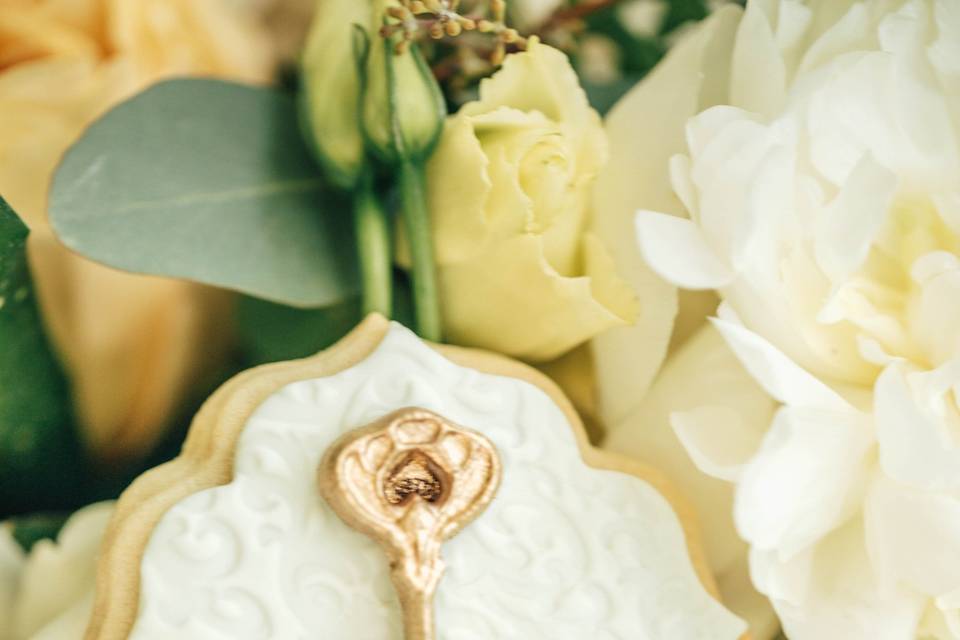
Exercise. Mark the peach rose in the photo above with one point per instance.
(131, 344)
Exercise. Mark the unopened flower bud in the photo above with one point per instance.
(331, 88)
(403, 110)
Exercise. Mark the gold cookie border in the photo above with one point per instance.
(206, 461)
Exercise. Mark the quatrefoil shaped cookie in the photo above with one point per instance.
(390, 489)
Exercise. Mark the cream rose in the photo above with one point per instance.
(47, 594)
(814, 184)
(508, 192)
(132, 344)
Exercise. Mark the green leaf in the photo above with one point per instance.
(40, 455)
(208, 181)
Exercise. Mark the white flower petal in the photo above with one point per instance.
(718, 438)
(779, 375)
(915, 448)
(57, 575)
(949, 607)
(759, 74)
(934, 315)
(850, 33)
(843, 601)
(703, 129)
(872, 351)
(727, 313)
(703, 372)
(848, 225)
(11, 566)
(645, 129)
(740, 596)
(682, 182)
(806, 480)
(792, 23)
(679, 252)
(784, 581)
(914, 537)
(948, 206)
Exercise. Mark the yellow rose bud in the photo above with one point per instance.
(508, 192)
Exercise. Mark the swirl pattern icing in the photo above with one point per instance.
(564, 551)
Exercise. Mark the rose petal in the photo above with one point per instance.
(539, 314)
(457, 194)
(543, 80)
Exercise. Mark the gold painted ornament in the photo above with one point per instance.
(411, 481)
(327, 497)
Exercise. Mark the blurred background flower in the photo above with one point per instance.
(46, 593)
(132, 345)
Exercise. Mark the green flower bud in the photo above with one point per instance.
(330, 98)
(363, 87)
(403, 109)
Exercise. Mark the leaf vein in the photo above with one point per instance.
(218, 197)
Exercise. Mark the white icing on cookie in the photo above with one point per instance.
(564, 551)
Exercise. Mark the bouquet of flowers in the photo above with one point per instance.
(730, 232)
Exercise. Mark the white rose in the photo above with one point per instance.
(48, 593)
(816, 189)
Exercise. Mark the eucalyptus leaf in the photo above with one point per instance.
(208, 181)
(40, 455)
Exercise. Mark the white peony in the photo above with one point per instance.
(815, 186)
(48, 593)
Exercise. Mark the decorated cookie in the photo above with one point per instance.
(388, 489)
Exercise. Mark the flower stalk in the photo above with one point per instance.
(416, 220)
(372, 232)
(403, 118)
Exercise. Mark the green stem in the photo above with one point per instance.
(373, 246)
(416, 220)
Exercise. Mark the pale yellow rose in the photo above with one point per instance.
(132, 344)
(508, 192)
